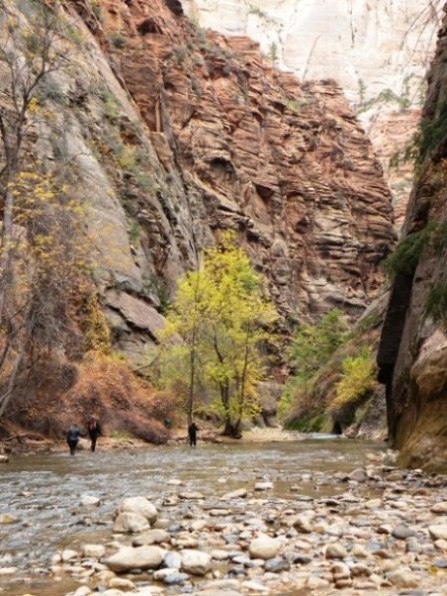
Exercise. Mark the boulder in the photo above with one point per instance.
(130, 522)
(264, 547)
(139, 505)
(195, 562)
(141, 557)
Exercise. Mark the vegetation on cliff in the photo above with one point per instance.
(333, 382)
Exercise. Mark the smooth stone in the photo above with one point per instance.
(240, 493)
(153, 536)
(264, 547)
(140, 506)
(220, 555)
(335, 551)
(176, 578)
(254, 586)
(358, 475)
(403, 578)
(175, 482)
(340, 571)
(439, 507)
(89, 501)
(4, 459)
(69, 555)
(93, 551)
(438, 532)
(195, 562)
(130, 522)
(141, 557)
(403, 532)
(121, 584)
(8, 570)
(172, 559)
(190, 496)
(7, 518)
(260, 486)
(277, 564)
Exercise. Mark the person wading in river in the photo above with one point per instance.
(73, 435)
(94, 430)
(192, 434)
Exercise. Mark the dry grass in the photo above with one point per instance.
(104, 387)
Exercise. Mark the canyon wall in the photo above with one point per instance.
(172, 134)
(378, 51)
(413, 350)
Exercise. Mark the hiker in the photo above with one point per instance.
(94, 430)
(73, 435)
(192, 434)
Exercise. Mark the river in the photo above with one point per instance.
(44, 491)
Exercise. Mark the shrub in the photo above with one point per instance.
(358, 379)
(405, 257)
(436, 305)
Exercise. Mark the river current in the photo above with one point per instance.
(44, 492)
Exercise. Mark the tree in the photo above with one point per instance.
(40, 216)
(311, 348)
(223, 316)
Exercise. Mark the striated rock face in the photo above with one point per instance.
(413, 350)
(283, 164)
(173, 134)
(378, 52)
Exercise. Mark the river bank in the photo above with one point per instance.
(289, 518)
(23, 443)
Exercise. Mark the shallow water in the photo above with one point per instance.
(44, 491)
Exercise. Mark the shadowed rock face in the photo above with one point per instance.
(413, 350)
(285, 165)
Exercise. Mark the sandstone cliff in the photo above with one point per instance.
(413, 350)
(378, 51)
(173, 133)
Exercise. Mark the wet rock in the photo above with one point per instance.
(69, 555)
(438, 532)
(220, 555)
(8, 570)
(240, 493)
(120, 583)
(264, 547)
(402, 532)
(277, 564)
(358, 475)
(172, 559)
(130, 522)
(153, 536)
(140, 506)
(261, 486)
(195, 562)
(93, 551)
(7, 518)
(335, 551)
(141, 557)
(90, 501)
(403, 578)
(254, 586)
(190, 496)
(439, 508)
(4, 459)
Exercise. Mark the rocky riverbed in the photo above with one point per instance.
(375, 528)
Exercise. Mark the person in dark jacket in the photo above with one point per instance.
(94, 430)
(192, 434)
(73, 435)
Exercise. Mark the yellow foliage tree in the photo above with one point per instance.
(223, 316)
